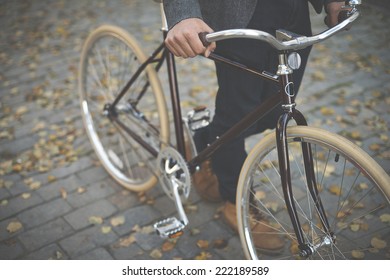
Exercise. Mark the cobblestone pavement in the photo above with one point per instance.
(57, 202)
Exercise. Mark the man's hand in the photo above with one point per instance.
(183, 39)
(333, 9)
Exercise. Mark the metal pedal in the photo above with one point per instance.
(169, 228)
(198, 118)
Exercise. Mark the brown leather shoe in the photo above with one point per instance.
(204, 180)
(263, 234)
(206, 183)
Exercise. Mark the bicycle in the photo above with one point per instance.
(326, 197)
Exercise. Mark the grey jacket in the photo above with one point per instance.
(236, 13)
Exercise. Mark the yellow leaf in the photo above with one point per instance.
(126, 242)
(95, 220)
(375, 147)
(378, 243)
(327, 111)
(336, 190)
(156, 254)
(26, 195)
(21, 110)
(203, 256)
(202, 244)
(354, 227)
(35, 185)
(220, 243)
(318, 76)
(168, 246)
(259, 195)
(106, 229)
(64, 194)
(118, 221)
(14, 227)
(356, 254)
(385, 218)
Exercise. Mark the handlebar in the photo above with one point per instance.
(287, 40)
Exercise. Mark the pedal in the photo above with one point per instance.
(169, 228)
(198, 118)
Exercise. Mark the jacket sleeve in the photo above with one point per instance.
(178, 10)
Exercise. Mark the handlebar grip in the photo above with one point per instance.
(202, 37)
(343, 15)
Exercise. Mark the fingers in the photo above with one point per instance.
(183, 39)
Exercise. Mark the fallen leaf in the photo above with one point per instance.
(126, 242)
(357, 254)
(26, 195)
(14, 227)
(220, 243)
(168, 246)
(203, 256)
(95, 220)
(378, 243)
(336, 190)
(64, 194)
(326, 111)
(202, 244)
(354, 227)
(106, 229)
(385, 218)
(118, 221)
(156, 254)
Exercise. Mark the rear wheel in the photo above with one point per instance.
(353, 188)
(110, 57)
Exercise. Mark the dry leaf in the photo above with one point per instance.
(64, 194)
(202, 244)
(327, 111)
(106, 229)
(81, 190)
(356, 254)
(220, 243)
(26, 195)
(14, 227)
(51, 178)
(95, 220)
(354, 227)
(203, 256)
(336, 190)
(126, 242)
(168, 246)
(35, 185)
(156, 254)
(378, 243)
(385, 218)
(118, 221)
(259, 195)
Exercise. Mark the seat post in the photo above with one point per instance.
(164, 23)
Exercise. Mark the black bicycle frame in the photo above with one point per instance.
(285, 98)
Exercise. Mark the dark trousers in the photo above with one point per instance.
(241, 92)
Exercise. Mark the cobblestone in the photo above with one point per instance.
(40, 47)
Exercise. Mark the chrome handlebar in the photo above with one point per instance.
(298, 41)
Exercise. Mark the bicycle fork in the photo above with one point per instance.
(288, 105)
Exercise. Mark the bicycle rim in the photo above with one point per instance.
(109, 58)
(353, 188)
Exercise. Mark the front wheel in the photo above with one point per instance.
(353, 188)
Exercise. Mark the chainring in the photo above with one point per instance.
(173, 168)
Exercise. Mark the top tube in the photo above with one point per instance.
(298, 41)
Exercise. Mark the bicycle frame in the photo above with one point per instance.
(285, 98)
